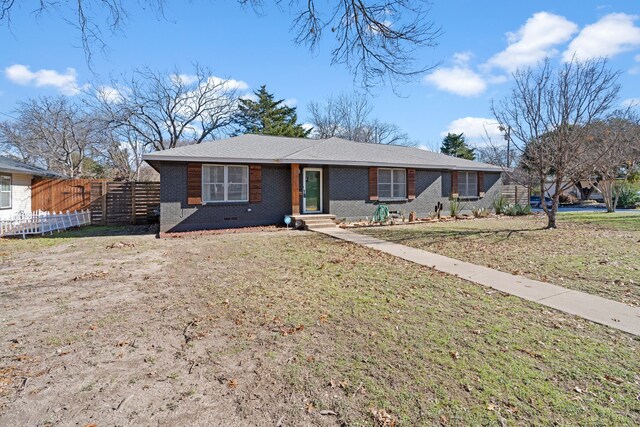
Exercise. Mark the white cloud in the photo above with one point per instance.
(110, 94)
(66, 82)
(612, 34)
(229, 84)
(459, 79)
(291, 102)
(250, 96)
(534, 41)
(475, 129)
(462, 58)
(631, 102)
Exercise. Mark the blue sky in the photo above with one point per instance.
(481, 44)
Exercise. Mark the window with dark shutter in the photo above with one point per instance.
(194, 183)
(373, 183)
(255, 184)
(411, 184)
(454, 184)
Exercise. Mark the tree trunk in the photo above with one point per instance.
(552, 213)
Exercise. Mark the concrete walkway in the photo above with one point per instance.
(597, 309)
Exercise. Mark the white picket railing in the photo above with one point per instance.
(24, 224)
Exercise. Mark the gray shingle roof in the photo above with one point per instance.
(8, 164)
(332, 151)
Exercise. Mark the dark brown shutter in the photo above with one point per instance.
(454, 184)
(255, 184)
(373, 183)
(411, 184)
(194, 183)
(480, 184)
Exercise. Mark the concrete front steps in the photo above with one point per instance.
(314, 221)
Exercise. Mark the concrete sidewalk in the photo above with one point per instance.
(597, 309)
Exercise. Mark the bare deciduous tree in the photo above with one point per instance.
(376, 39)
(621, 134)
(548, 111)
(51, 132)
(162, 110)
(349, 117)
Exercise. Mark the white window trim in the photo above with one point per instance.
(10, 190)
(225, 184)
(466, 184)
(393, 197)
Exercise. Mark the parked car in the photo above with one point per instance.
(536, 202)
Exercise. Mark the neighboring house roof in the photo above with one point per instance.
(8, 164)
(332, 151)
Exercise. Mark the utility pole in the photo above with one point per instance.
(507, 136)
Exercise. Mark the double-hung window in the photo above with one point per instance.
(468, 184)
(5, 191)
(225, 183)
(392, 183)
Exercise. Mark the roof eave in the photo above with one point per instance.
(150, 158)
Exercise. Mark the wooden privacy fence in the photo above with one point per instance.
(121, 203)
(61, 195)
(515, 193)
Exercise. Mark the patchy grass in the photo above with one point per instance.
(614, 221)
(595, 253)
(291, 327)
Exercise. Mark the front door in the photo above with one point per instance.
(312, 190)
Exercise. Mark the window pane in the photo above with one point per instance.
(213, 174)
(237, 192)
(384, 176)
(5, 199)
(237, 174)
(384, 191)
(399, 176)
(399, 190)
(472, 184)
(213, 192)
(5, 183)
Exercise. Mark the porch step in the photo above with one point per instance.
(311, 222)
(318, 225)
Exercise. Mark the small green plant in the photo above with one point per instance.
(499, 204)
(479, 212)
(627, 197)
(515, 209)
(455, 207)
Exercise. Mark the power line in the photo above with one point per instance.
(8, 115)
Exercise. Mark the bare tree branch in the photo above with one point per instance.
(378, 40)
(349, 117)
(548, 113)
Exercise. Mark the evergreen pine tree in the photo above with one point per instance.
(455, 145)
(266, 116)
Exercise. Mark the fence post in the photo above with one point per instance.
(103, 197)
(133, 202)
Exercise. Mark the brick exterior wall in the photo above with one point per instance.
(177, 215)
(349, 193)
(345, 194)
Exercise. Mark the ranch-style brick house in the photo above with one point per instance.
(252, 180)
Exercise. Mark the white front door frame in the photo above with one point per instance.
(304, 190)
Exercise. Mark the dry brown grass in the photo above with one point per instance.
(594, 253)
(290, 327)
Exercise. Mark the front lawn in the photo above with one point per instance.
(288, 328)
(597, 253)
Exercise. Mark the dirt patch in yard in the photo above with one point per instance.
(289, 329)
